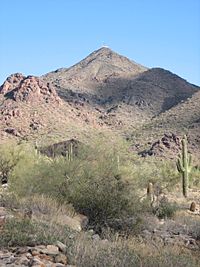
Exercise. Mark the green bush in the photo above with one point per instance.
(98, 182)
(165, 209)
(22, 232)
(26, 232)
(102, 181)
(10, 156)
(101, 188)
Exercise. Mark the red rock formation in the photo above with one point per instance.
(11, 83)
(28, 89)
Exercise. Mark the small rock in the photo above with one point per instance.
(11, 260)
(96, 237)
(37, 262)
(22, 260)
(21, 250)
(61, 258)
(90, 232)
(146, 232)
(29, 256)
(50, 250)
(83, 220)
(35, 253)
(61, 246)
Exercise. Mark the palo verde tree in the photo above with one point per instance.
(9, 157)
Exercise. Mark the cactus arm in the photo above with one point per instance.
(179, 165)
(189, 162)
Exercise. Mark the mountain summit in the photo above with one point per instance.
(104, 62)
(105, 91)
(100, 66)
(113, 79)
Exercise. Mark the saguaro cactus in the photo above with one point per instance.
(70, 152)
(193, 206)
(184, 165)
(150, 192)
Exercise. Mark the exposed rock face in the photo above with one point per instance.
(168, 143)
(11, 83)
(28, 89)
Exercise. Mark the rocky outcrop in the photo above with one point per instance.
(168, 143)
(170, 238)
(28, 89)
(12, 82)
(50, 255)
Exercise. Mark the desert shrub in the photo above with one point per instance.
(162, 174)
(9, 200)
(25, 232)
(100, 198)
(189, 225)
(128, 252)
(102, 254)
(165, 209)
(169, 258)
(99, 182)
(18, 232)
(10, 156)
(195, 177)
(45, 205)
(101, 189)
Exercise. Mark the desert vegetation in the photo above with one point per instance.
(135, 209)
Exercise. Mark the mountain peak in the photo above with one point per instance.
(97, 67)
(106, 56)
(104, 50)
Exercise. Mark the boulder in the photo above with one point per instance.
(77, 223)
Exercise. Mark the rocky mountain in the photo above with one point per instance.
(31, 109)
(106, 78)
(103, 92)
(29, 89)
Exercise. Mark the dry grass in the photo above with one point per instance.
(130, 252)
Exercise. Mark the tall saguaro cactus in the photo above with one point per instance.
(70, 152)
(184, 165)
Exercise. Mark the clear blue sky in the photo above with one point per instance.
(38, 36)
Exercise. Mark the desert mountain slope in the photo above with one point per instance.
(31, 109)
(106, 78)
(183, 118)
(103, 92)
